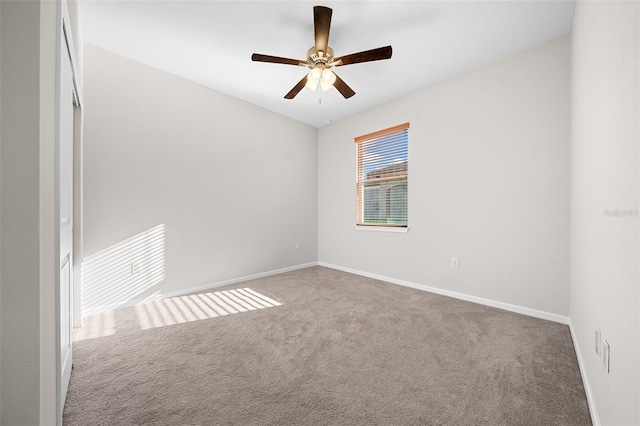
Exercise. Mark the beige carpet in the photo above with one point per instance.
(338, 349)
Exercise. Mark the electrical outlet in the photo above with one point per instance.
(606, 355)
(455, 263)
(598, 342)
(135, 268)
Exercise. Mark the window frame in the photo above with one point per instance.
(360, 181)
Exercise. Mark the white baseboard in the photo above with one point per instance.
(593, 410)
(199, 289)
(493, 303)
(500, 305)
(239, 280)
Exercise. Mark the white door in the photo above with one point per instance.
(65, 200)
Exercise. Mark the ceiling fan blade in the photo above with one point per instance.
(257, 57)
(321, 24)
(343, 87)
(366, 56)
(296, 89)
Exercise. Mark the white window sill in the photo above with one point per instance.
(399, 229)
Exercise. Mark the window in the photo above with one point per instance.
(381, 186)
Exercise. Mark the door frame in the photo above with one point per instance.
(65, 48)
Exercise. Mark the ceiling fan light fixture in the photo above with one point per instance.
(313, 78)
(327, 79)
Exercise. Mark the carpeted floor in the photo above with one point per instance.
(340, 349)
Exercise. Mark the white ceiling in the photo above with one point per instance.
(211, 42)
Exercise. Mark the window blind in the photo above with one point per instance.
(382, 177)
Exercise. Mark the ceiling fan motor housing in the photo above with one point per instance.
(317, 60)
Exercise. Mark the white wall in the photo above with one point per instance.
(27, 355)
(604, 246)
(488, 183)
(19, 227)
(214, 188)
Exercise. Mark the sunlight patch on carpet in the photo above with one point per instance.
(196, 307)
(174, 310)
(104, 326)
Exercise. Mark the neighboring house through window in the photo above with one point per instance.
(382, 179)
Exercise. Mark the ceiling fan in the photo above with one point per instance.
(320, 59)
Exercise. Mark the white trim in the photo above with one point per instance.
(239, 280)
(69, 43)
(399, 229)
(161, 295)
(591, 402)
(469, 298)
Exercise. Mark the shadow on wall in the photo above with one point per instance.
(176, 310)
(111, 277)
